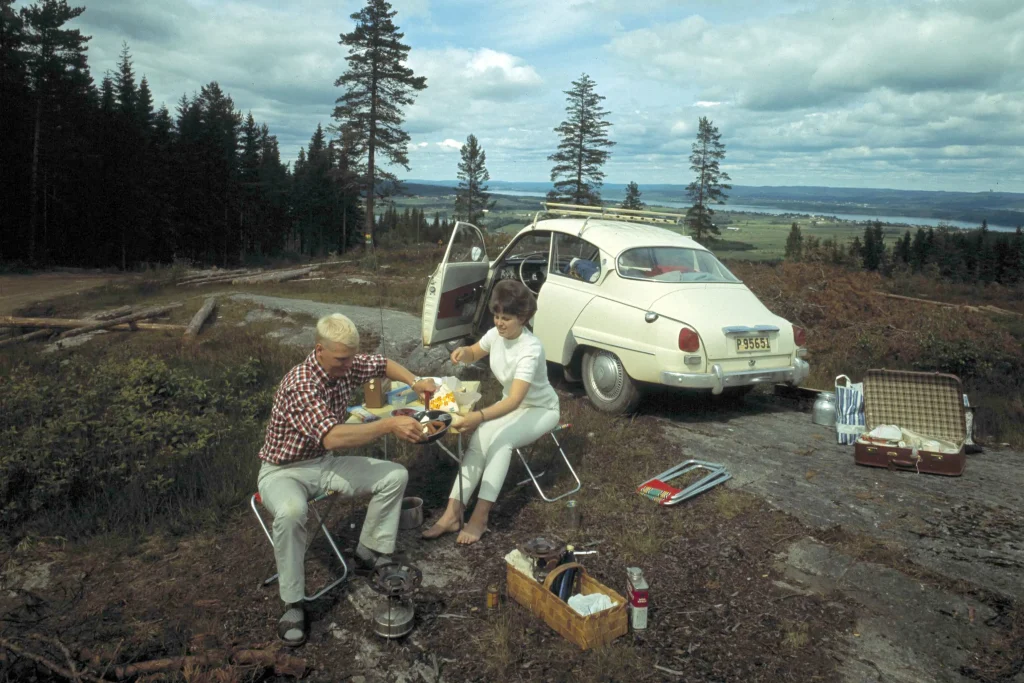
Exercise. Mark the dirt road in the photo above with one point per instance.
(18, 291)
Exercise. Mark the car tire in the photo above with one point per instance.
(607, 384)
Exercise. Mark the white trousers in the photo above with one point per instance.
(486, 460)
(285, 490)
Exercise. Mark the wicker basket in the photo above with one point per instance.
(588, 632)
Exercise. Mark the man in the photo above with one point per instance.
(306, 422)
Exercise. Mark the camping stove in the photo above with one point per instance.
(544, 554)
(393, 618)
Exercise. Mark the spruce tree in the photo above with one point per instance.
(583, 149)
(710, 184)
(377, 85)
(632, 200)
(794, 243)
(904, 250)
(471, 197)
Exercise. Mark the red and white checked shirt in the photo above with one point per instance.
(308, 404)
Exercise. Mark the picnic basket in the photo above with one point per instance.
(929, 403)
(587, 632)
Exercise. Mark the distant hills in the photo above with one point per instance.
(998, 208)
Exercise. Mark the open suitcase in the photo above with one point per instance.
(929, 403)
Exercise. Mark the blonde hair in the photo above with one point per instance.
(338, 329)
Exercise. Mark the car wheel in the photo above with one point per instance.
(608, 386)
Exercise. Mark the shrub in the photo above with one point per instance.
(119, 443)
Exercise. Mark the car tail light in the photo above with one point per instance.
(799, 335)
(688, 340)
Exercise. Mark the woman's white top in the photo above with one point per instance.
(521, 358)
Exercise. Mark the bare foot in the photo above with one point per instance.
(471, 533)
(446, 525)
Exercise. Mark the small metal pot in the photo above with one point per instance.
(411, 516)
(824, 411)
(393, 618)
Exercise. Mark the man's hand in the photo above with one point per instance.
(463, 354)
(407, 429)
(424, 385)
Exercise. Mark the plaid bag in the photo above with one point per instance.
(849, 410)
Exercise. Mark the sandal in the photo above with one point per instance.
(291, 628)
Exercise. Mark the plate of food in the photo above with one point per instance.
(434, 424)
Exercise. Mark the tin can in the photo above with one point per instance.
(637, 597)
(492, 597)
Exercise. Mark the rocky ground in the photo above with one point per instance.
(803, 567)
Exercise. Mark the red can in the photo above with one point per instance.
(637, 596)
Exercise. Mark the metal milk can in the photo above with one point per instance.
(824, 411)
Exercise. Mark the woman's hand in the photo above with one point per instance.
(467, 423)
(463, 354)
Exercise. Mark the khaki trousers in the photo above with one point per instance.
(285, 490)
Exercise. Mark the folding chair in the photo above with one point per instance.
(535, 477)
(256, 498)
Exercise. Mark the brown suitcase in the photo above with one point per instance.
(928, 403)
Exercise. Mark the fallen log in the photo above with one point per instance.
(112, 313)
(216, 273)
(223, 277)
(978, 308)
(275, 276)
(105, 324)
(200, 317)
(51, 666)
(38, 334)
(72, 323)
(283, 664)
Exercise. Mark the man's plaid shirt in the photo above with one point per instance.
(308, 404)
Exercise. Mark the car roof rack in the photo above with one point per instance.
(610, 212)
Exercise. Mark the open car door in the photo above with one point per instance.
(456, 288)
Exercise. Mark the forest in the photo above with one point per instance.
(97, 175)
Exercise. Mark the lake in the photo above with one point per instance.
(775, 211)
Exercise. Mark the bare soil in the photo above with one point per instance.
(21, 291)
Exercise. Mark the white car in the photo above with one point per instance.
(620, 305)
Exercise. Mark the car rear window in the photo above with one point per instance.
(672, 264)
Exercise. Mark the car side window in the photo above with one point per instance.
(576, 258)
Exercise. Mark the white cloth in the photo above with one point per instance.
(490, 449)
(285, 490)
(590, 604)
(521, 358)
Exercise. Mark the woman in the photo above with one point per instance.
(527, 411)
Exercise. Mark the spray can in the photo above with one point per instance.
(637, 596)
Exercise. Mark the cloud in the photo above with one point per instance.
(828, 54)
(450, 144)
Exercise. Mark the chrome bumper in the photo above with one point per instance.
(716, 380)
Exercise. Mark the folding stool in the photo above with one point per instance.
(256, 498)
(535, 477)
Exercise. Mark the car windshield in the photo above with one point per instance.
(673, 264)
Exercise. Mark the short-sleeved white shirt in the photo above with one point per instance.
(521, 358)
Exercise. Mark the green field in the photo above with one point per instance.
(758, 237)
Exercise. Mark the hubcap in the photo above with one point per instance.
(608, 376)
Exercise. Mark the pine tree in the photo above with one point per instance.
(919, 250)
(632, 200)
(15, 128)
(794, 243)
(377, 85)
(709, 185)
(124, 84)
(904, 250)
(143, 114)
(471, 197)
(61, 84)
(874, 246)
(583, 148)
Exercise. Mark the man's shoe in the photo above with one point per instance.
(291, 628)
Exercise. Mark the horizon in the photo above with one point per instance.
(918, 95)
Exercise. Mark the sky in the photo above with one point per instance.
(919, 94)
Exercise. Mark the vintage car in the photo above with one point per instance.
(621, 305)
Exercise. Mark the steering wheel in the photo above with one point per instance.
(540, 258)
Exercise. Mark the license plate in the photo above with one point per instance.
(752, 344)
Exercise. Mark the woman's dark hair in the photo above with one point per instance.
(512, 297)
